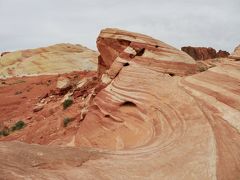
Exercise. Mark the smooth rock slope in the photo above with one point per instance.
(56, 59)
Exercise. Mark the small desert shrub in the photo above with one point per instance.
(66, 120)
(18, 92)
(202, 68)
(4, 132)
(212, 65)
(67, 103)
(18, 125)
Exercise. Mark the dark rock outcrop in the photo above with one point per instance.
(202, 53)
(222, 54)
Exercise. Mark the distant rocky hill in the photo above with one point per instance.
(203, 53)
(56, 59)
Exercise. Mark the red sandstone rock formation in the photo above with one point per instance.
(202, 53)
(149, 117)
(222, 54)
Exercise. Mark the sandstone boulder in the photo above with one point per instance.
(63, 83)
(38, 107)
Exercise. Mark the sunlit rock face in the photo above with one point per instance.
(56, 59)
(236, 54)
(151, 116)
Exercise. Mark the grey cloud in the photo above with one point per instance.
(35, 23)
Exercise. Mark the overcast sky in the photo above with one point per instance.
(35, 23)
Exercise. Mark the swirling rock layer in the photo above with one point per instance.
(149, 117)
(181, 128)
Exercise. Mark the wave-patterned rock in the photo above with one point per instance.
(149, 118)
(178, 127)
(56, 59)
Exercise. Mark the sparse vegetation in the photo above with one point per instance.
(18, 92)
(212, 65)
(202, 68)
(4, 132)
(17, 126)
(66, 120)
(67, 103)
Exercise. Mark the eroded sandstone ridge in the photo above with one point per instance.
(203, 53)
(151, 115)
(119, 47)
(56, 59)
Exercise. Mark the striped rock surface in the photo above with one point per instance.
(158, 125)
(56, 59)
(148, 122)
(115, 45)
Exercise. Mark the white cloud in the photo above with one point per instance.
(35, 23)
